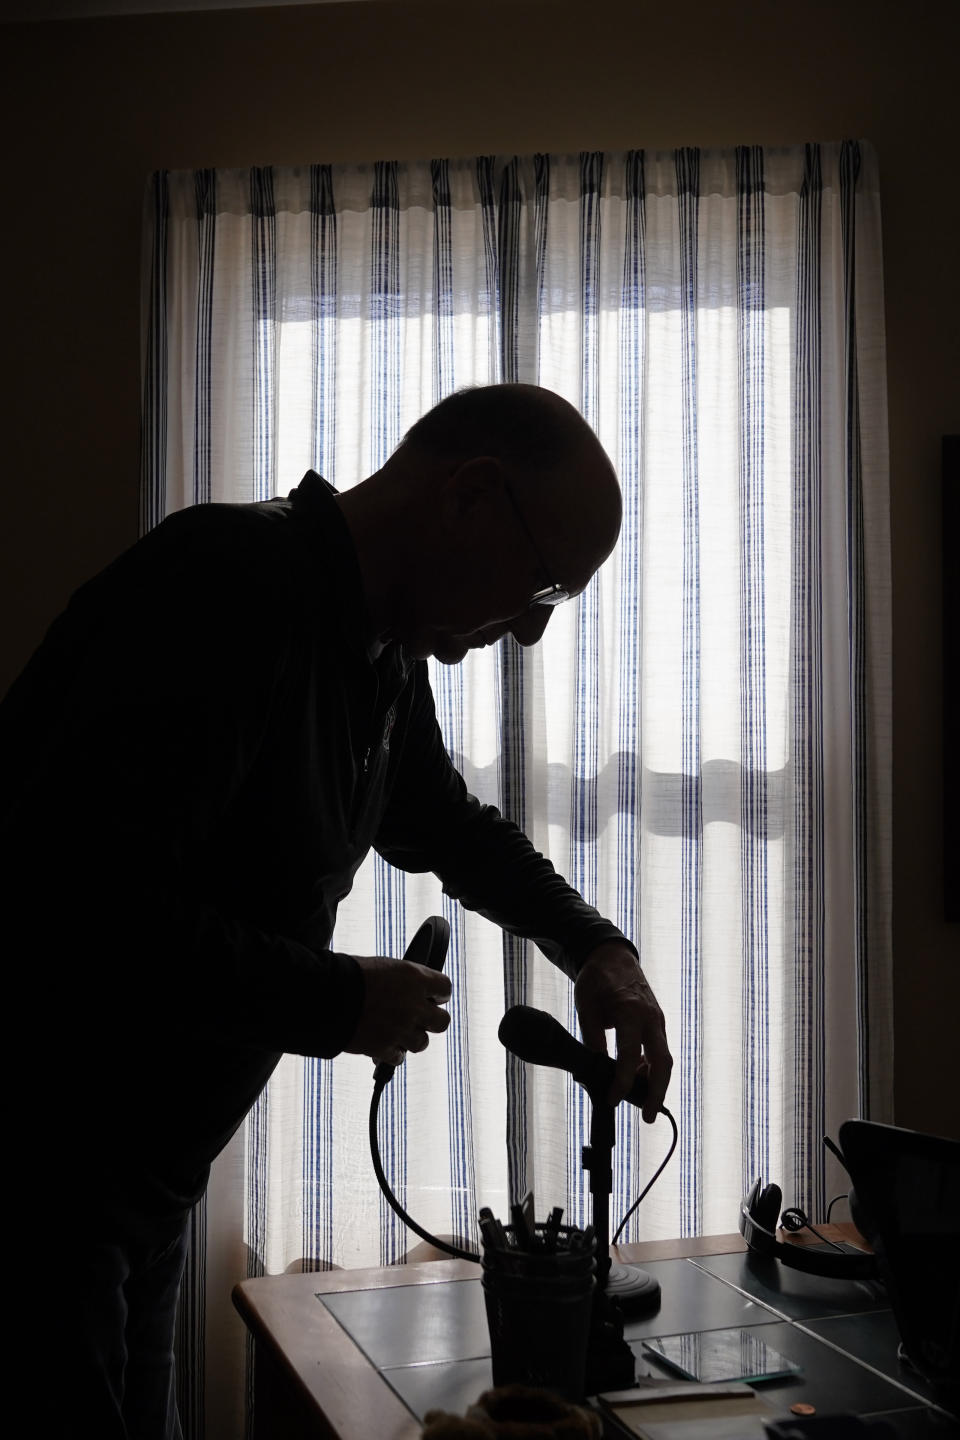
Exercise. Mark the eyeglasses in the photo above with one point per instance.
(550, 594)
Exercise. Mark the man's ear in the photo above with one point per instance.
(468, 490)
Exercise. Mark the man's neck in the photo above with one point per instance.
(377, 545)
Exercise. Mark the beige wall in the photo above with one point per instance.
(94, 106)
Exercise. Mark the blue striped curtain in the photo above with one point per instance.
(700, 743)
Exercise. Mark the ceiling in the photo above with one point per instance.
(90, 9)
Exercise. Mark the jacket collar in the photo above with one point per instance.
(320, 520)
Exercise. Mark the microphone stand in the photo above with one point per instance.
(598, 1163)
(610, 1361)
(631, 1287)
(539, 1039)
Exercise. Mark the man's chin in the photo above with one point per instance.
(448, 653)
(447, 649)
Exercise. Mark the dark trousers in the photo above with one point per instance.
(106, 1321)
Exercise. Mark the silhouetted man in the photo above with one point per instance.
(197, 761)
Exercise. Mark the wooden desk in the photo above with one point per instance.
(311, 1380)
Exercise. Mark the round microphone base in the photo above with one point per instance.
(632, 1288)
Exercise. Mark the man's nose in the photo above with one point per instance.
(528, 627)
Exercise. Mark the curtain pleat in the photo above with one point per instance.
(191, 1322)
(701, 740)
(754, 780)
(630, 354)
(155, 321)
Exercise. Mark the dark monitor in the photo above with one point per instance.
(908, 1190)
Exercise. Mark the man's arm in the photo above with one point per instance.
(128, 740)
(489, 865)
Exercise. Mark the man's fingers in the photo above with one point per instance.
(432, 1019)
(660, 1063)
(611, 992)
(435, 983)
(592, 1029)
(642, 1045)
(402, 1005)
(436, 1019)
(629, 1061)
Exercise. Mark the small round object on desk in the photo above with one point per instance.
(802, 1408)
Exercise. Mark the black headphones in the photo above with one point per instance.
(759, 1213)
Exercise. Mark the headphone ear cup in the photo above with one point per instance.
(766, 1211)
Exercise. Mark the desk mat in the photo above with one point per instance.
(431, 1344)
(793, 1294)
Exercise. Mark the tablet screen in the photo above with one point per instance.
(712, 1356)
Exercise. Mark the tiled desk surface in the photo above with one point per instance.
(431, 1344)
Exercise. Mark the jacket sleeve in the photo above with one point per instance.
(135, 727)
(483, 860)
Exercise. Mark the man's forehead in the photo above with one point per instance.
(578, 538)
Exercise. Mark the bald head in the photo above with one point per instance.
(523, 425)
(557, 470)
(499, 498)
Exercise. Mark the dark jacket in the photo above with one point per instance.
(195, 764)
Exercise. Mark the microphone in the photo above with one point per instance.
(536, 1037)
(428, 947)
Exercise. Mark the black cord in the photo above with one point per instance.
(796, 1220)
(832, 1243)
(835, 1151)
(832, 1203)
(382, 1078)
(649, 1186)
(380, 1083)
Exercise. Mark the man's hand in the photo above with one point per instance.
(401, 1003)
(612, 994)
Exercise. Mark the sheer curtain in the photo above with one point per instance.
(700, 743)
